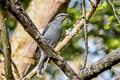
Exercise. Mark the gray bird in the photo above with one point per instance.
(51, 34)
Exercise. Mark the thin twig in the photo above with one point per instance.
(31, 74)
(91, 2)
(6, 48)
(16, 70)
(86, 35)
(114, 11)
(77, 28)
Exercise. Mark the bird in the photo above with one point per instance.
(52, 34)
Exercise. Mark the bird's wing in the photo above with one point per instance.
(46, 28)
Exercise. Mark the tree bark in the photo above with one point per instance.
(101, 65)
(6, 48)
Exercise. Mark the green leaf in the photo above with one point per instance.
(117, 28)
(72, 11)
(118, 25)
(118, 12)
(107, 26)
(111, 18)
(96, 19)
(113, 42)
(103, 5)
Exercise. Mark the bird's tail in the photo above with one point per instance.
(42, 63)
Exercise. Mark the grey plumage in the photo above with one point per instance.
(52, 34)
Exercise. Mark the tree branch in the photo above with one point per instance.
(14, 66)
(116, 16)
(86, 35)
(96, 68)
(76, 29)
(20, 14)
(101, 65)
(6, 48)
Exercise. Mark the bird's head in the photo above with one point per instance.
(62, 16)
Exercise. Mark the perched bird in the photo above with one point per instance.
(51, 34)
